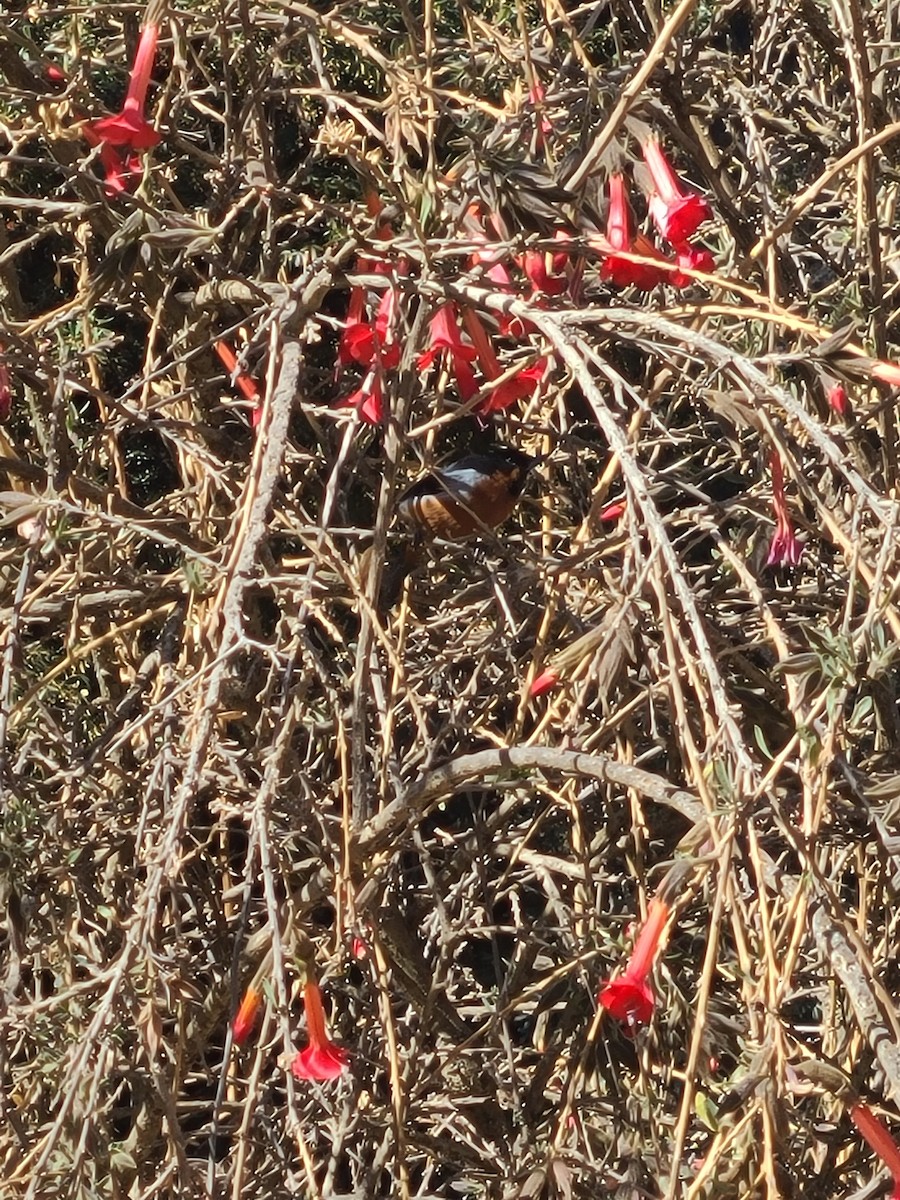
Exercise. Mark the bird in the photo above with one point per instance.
(474, 492)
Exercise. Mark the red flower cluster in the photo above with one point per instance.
(458, 338)
(461, 354)
(630, 259)
(122, 137)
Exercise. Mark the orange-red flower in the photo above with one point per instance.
(245, 385)
(677, 213)
(121, 173)
(129, 128)
(786, 548)
(243, 1023)
(322, 1059)
(630, 998)
(519, 386)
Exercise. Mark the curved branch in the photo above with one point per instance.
(402, 814)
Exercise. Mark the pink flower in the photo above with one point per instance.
(129, 128)
(446, 340)
(243, 1023)
(785, 549)
(490, 262)
(617, 265)
(630, 997)
(677, 213)
(322, 1059)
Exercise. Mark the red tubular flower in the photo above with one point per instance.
(484, 351)
(517, 387)
(121, 173)
(490, 262)
(545, 271)
(785, 549)
(630, 997)
(321, 1059)
(536, 99)
(617, 266)
(879, 1139)
(677, 213)
(520, 386)
(355, 317)
(245, 1020)
(543, 683)
(446, 339)
(129, 128)
(691, 258)
(613, 511)
(370, 342)
(838, 400)
(368, 400)
(496, 271)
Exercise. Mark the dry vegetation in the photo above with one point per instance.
(216, 744)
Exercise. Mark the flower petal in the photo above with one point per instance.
(627, 999)
(320, 1062)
